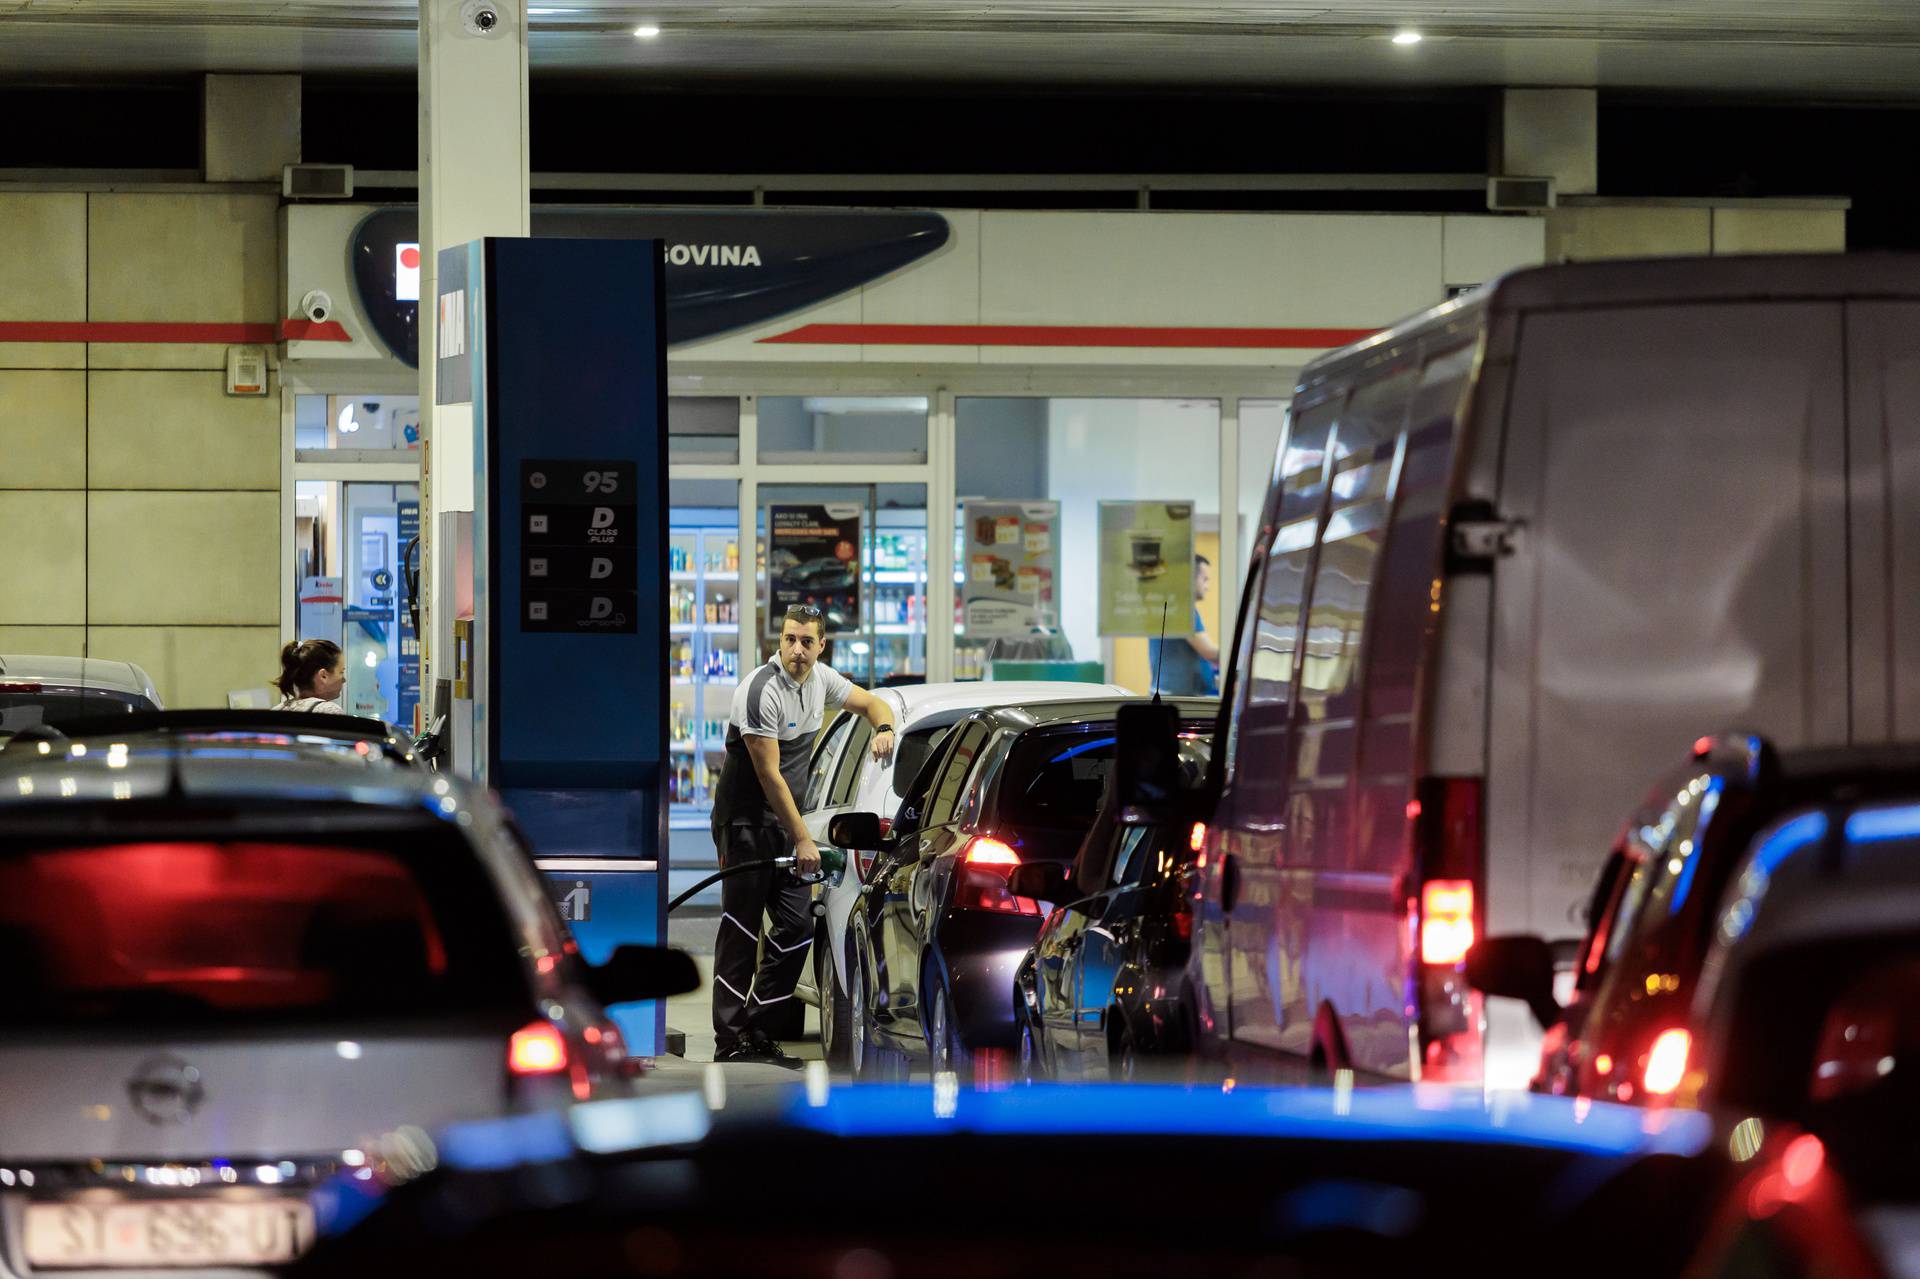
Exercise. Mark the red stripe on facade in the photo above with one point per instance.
(102, 331)
(302, 330)
(1065, 335)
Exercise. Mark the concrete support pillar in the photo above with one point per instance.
(473, 183)
(1551, 133)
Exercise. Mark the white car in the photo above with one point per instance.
(845, 778)
(245, 971)
(34, 690)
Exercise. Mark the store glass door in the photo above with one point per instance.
(352, 541)
(858, 552)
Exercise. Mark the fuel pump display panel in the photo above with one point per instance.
(579, 566)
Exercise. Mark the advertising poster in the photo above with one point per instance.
(1012, 566)
(813, 557)
(1146, 564)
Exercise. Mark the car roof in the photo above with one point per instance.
(75, 672)
(1094, 711)
(919, 700)
(241, 767)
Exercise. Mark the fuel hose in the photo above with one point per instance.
(832, 863)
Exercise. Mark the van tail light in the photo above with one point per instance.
(537, 1048)
(985, 866)
(1446, 921)
(1667, 1062)
(1445, 820)
(1197, 837)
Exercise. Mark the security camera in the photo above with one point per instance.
(480, 18)
(317, 306)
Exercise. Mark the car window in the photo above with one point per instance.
(25, 705)
(992, 756)
(1601, 912)
(853, 762)
(1128, 865)
(915, 749)
(944, 800)
(232, 931)
(1273, 634)
(1663, 850)
(826, 758)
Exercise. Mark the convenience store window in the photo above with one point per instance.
(703, 429)
(858, 552)
(333, 427)
(703, 638)
(1081, 452)
(839, 430)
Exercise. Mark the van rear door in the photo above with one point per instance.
(1678, 472)
(1883, 423)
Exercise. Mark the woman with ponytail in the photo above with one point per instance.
(312, 674)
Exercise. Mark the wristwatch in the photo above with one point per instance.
(884, 728)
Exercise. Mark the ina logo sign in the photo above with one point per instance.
(452, 327)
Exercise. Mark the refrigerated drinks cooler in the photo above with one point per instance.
(703, 633)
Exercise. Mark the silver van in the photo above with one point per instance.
(1516, 553)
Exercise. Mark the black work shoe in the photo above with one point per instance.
(738, 1050)
(766, 1048)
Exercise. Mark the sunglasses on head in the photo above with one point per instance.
(807, 611)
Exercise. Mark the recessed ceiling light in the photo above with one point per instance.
(648, 32)
(1407, 37)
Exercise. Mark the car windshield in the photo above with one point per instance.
(1055, 780)
(24, 707)
(241, 931)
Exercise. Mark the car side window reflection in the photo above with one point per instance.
(853, 761)
(945, 799)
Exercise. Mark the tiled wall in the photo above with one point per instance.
(139, 503)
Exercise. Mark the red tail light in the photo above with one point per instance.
(1446, 921)
(1445, 817)
(985, 866)
(985, 851)
(18, 686)
(1667, 1062)
(537, 1049)
(1197, 837)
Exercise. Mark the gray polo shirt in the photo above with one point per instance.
(769, 704)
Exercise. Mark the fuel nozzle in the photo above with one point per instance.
(833, 867)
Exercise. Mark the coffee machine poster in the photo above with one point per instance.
(1146, 568)
(813, 558)
(1011, 563)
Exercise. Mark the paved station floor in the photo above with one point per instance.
(692, 929)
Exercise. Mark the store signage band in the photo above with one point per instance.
(726, 269)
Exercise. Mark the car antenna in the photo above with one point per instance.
(1160, 654)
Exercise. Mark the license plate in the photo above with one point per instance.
(167, 1233)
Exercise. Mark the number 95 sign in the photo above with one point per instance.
(578, 543)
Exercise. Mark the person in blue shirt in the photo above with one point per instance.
(1190, 665)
